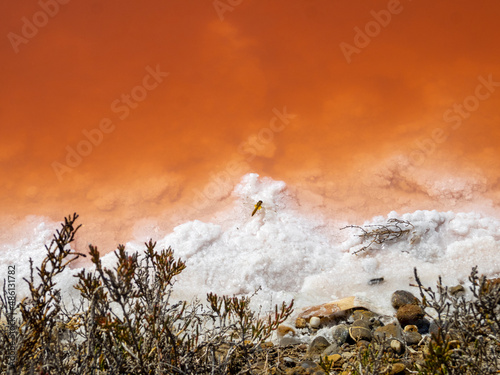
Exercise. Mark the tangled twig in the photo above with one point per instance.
(393, 230)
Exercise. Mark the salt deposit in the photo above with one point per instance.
(287, 252)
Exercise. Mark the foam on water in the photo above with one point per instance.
(292, 254)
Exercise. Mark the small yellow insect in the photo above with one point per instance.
(258, 206)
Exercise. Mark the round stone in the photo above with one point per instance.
(412, 337)
(397, 368)
(360, 333)
(340, 333)
(389, 331)
(315, 322)
(397, 346)
(409, 314)
(300, 323)
(318, 345)
(334, 357)
(331, 349)
(411, 328)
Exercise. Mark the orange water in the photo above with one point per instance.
(399, 124)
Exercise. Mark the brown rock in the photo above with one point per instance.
(392, 330)
(411, 328)
(360, 333)
(402, 297)
(334, 357)
(361, 323)
(397, 368)
(300, 323)
(363, 314)
(409, 314)
(332, 310)
(305, 367)
(285, 330)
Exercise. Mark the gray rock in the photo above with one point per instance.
(402, 297)
(317, 346)
(308, 364)
(340, 334)
(287, 341)
(311, 366)
(412, 337)
(331, 349)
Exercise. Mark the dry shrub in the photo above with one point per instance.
(125, 321)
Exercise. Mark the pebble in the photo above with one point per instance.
(361, 323)
(397, 346)
(360, 333)
(402, 297)
(347, 355)
(362, 343)
(317, 346)
(391, 330)
(314, 322)
(287, 341)
(300, 323)
(411, 328)
(397, 368)
(311, 369)
(340, 333)
(331, 349)
(363, 314)
(334, 357)
(412, 337)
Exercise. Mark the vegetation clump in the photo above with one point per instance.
(125, 321)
